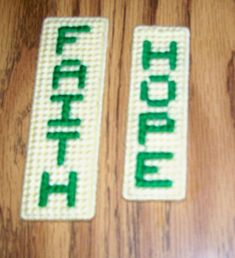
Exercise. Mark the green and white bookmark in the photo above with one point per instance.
(62, 159)
(156, 143)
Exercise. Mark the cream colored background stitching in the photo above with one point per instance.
(177, 109)
(81, 154)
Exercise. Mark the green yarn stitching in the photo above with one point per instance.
(63, 137)
(147, 54)
(144, 93)
(144, 128)
(46, 189)
(142, 169)
(66, 108)
(79, 74)
(62, 39)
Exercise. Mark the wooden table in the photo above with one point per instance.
(202, 226)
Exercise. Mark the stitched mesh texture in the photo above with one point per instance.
(79, 151)
(156, 141)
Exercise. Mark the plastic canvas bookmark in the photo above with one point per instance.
(62, 159)
(156, 142)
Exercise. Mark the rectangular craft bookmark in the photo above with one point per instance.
(156, 143)
(62, 159)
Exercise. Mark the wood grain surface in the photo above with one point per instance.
(203, 226)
